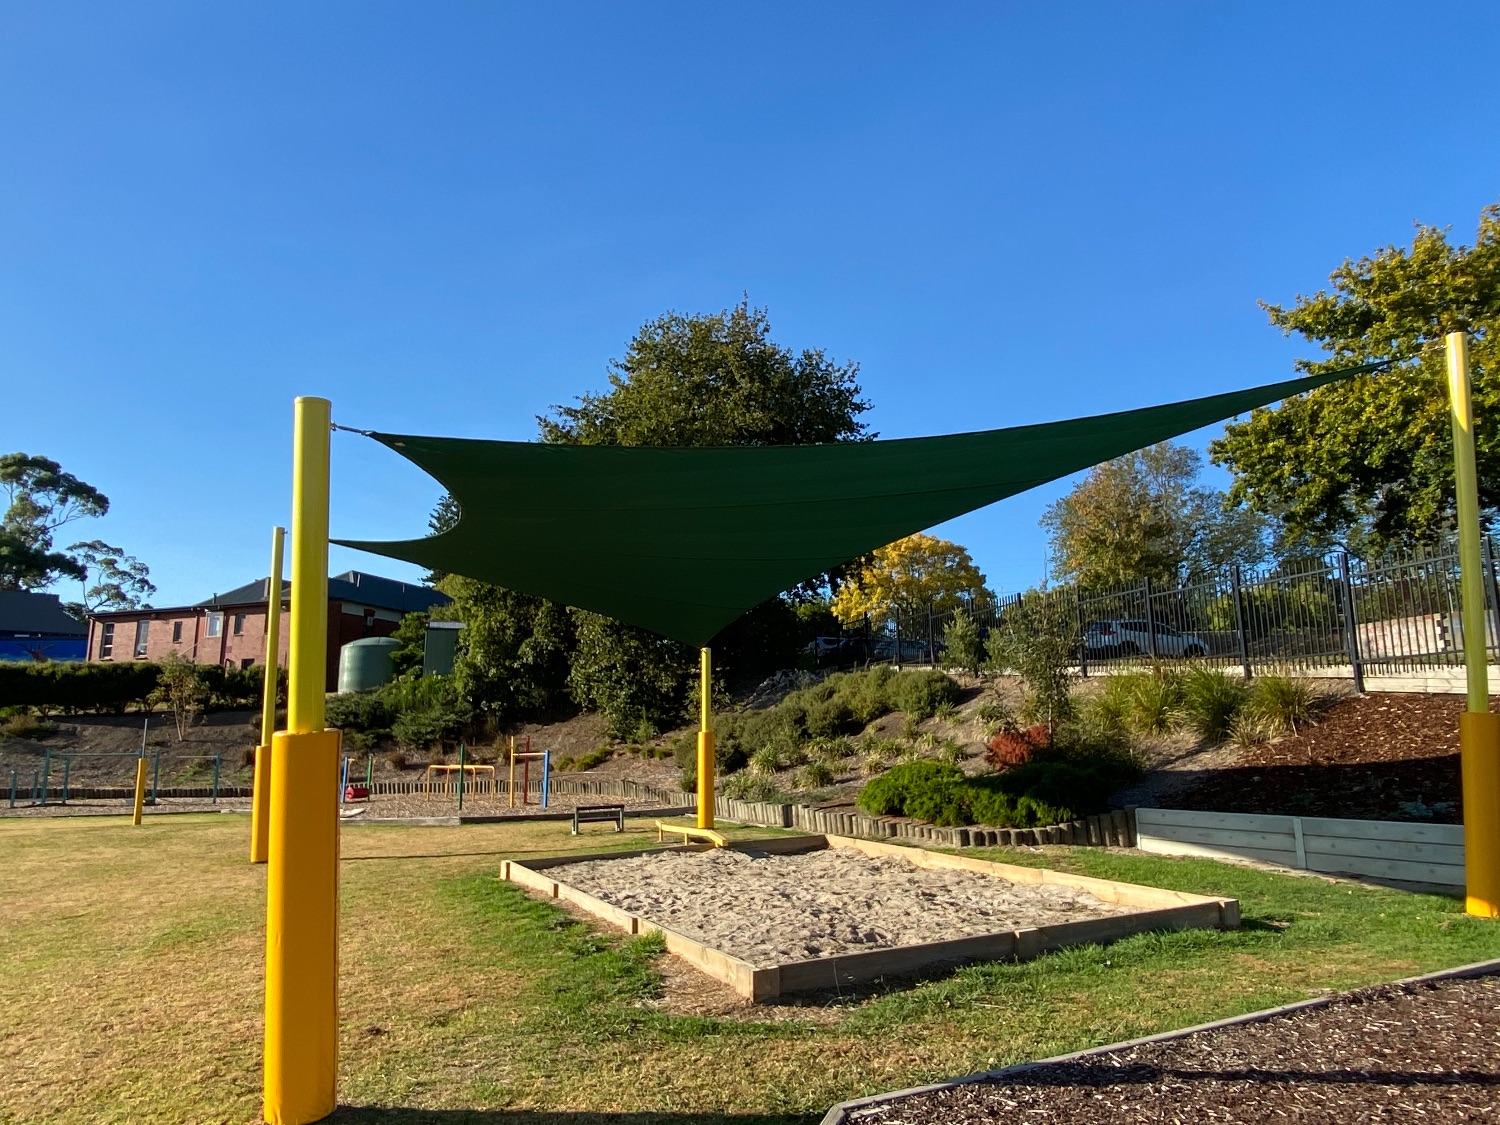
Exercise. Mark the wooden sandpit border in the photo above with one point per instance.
(1156, 909)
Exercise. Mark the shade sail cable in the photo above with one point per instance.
(682, 541)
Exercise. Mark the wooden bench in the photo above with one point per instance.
(690, 833)
(585, 814)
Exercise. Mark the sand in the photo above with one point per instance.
(769, 909)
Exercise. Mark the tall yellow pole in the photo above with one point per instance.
(1478, 727)
(302, 887)
(705, 739)
(260, 821)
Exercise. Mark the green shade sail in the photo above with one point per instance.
(683, 541)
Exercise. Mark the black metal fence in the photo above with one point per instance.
(1400, 613)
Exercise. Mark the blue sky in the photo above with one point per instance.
(447, 216)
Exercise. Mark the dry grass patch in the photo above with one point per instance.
(130, 982)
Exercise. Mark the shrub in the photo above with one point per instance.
(962, 647)
(396, 759)
(747, 786)
(1013, 746)
(1044, 791)
(67, 687)
(25, 726)
(920, 694)
(1282, 702)
(180, 685)
(1210, 702)
(365, 711)
(766, 761)
(815, 775)
(1155, 701)
(951, 752)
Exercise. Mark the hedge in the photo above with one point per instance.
(1041, 792)
(72, 687)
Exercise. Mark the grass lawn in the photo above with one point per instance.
(130, 979)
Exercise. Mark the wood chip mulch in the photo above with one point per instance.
(1386, 756)
(1426, 1052)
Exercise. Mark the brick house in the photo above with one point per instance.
(230, 629)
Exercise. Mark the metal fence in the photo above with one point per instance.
(1397, 614)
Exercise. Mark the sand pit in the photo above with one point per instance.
(768, 909)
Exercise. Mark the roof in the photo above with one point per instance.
(682, 541)
(37, 615)
(351, 586)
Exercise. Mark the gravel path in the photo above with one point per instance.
(767, 909)
(1397, 1053)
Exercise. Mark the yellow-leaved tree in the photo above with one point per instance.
(906, 576)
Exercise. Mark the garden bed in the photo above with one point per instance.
(808, 913)
(1404, 1052)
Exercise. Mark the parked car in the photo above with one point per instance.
(912, 652)
(822, 647)
(1103, 639)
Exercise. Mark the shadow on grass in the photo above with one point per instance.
(370, 1115)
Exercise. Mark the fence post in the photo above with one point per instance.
(1239, 619)
(1492, 592)
(216, 779)
(13, 772)
(1150, 623)
(46, 773)
(932, 651)
(1083, 637)
(463, 760)
(1351, 622)
(897, 616)
(67, 770)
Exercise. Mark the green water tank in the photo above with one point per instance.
(367, 664)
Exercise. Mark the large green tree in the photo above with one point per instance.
(712, 379)
(1145, 515)
(1368, 462)
(40, 498)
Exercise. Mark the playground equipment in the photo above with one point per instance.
(689, 833)
(526, 757)
(260, 822)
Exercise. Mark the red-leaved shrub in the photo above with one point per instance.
(1015, 747)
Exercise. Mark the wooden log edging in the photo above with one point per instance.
(1111, 829)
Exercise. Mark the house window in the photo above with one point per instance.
(142, 633)
(215, 624)
(106, 640)
(248, 662)
(177, 632)
(239, 624)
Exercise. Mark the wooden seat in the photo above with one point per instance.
(584, 814)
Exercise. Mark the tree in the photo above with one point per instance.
(911, 574)
(40, 499)
(514, 649)
(180, 685)
(962, 647)
(715, 380)
(1368, 462)
(1145, 516)
(112, 579)
(1037, 639)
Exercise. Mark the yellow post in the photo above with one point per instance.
(140, 789)
(1478, 727)
(705, 739)
(260, 822)
(302, 889)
